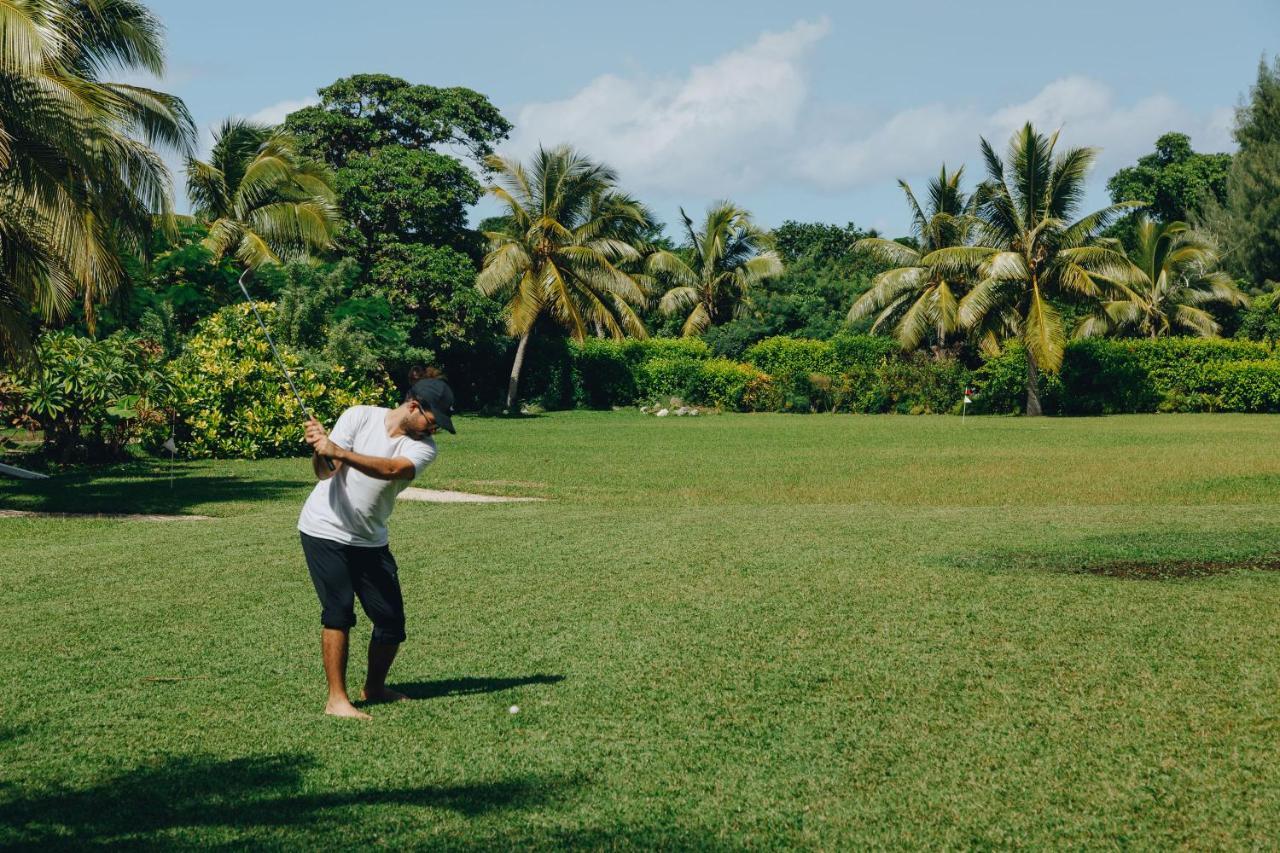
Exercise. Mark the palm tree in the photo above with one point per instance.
(563, 250)
(1032, 252)
(264, 202)
(1174, 273)
(914, 297)
(727, 259)
(80, 181)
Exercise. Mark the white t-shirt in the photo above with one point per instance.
(351, 507)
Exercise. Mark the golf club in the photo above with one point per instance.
(280, 361)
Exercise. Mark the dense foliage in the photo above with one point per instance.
(1248, 221)
(354, 216)
(90, 398)
(81, 182)
(232, 401)
(1173, 182)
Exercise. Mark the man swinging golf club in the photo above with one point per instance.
(375, 453)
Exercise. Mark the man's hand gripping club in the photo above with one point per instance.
(378, 467)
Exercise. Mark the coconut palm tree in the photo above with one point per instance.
(727, 258)
(914, 298)
(80, 181)
(1032, 251)
(1174, 273)
(563, 249)
(264, 202)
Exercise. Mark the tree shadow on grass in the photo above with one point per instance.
(469, 686)
(135, 489)
(185, 801)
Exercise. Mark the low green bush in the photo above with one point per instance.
(715, 382)
(602, 375)
(90, 398)
(1230, 386)
(233, 402)
(1001, 385)
(1101, 377)
(793, 357)
(637, 351)
(801, 357)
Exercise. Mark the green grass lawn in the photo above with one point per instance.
(729, 631)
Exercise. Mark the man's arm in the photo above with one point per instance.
(378, 467)
(323, 471)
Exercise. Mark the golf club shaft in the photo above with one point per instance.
(280, 361)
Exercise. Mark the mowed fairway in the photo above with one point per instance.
(721, 632)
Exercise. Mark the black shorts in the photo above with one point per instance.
(343, 572)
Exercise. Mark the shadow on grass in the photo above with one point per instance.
(137, 488)
(185, 801)
(469, 686)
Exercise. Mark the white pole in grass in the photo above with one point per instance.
(964, 408)
(171, 446)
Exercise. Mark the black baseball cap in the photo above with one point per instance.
(436, 395)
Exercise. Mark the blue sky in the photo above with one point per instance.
(799, 110)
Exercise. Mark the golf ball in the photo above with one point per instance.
(514, 709)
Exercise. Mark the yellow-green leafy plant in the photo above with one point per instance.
(233, 402)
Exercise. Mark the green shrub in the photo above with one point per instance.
(233, 402)
(922, 385)
(602, 376)
(91, 398)
(793, 357)
(703, 382)
(863, 350)
(1001, 385)
(636, 351)
(1175, 365)
(1232, 386)
(728, 385)
(1103, 377)
(798, 356)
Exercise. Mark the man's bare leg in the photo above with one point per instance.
(375, 689)
(333, 648)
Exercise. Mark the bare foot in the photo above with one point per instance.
(344, 708)
(386, 694)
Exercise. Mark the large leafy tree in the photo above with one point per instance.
(263, 201)
(562, 250)
(727, 256)
(1033, 252)
(1173, 181)
(1173, 277)
(398, 152)
(821, 276)
(916, 298)
(391, 144)
(80, 181)
(1248, 222)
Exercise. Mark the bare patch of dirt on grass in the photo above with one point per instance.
(1164, 570)
(109, 516)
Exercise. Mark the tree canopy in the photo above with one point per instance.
(1248, 221)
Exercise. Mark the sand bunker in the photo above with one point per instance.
(441, 496)
(115, 516)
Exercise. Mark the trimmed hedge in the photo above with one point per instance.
(869, 374)
(1103, 377)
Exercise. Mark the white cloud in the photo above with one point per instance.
(916, 140)
(714, 130)
(746, 121)
(276, 113)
